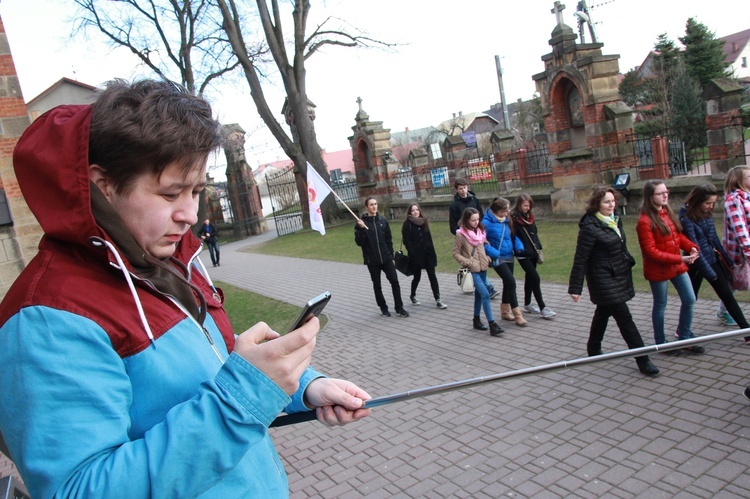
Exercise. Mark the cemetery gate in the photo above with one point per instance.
(285, 202)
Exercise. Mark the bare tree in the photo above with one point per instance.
(179, 41)
(206, 39)
(290, 57)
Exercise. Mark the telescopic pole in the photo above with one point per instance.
(519, 373)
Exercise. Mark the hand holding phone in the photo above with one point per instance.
(312, 308)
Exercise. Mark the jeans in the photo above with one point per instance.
(481, 295)
(505, 271)
(684, 288)
(389, 269)
(533, 283)
(213, 249)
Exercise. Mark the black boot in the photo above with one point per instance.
(647, 367)
(495, 329)
(478, 324)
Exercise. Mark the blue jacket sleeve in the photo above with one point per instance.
(491, 251)
(518, 246)
(66, 416)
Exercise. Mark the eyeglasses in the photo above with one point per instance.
(663, 193)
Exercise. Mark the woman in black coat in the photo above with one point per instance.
(602, 257)
(418, 241)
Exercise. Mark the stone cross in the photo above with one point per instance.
(557, 11)
(359, 102)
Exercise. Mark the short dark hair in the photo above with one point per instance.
(460, 181)
(145, 126)
(596, 199)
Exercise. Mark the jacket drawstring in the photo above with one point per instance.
(121, 266)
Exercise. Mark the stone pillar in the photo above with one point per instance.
(19, 241)
(726, 146)
(374, 165)
(502, 159)
(244, 194)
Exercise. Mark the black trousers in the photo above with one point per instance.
(431, 276)
(624, 319)
(723, 291)
(533, 283)
(505, 271)
(389, 269)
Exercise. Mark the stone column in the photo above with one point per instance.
(726, 145)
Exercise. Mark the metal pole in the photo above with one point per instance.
(502, 92)
(519, 373)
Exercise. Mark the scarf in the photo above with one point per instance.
(417, 220)
(524, 219)
(610, 222)
(167, 276)
(474, 238)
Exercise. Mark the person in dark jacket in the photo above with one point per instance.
(602, 258)
(696, 217)
(415, 232)
(373, 234)
(523, 220)
(463, 199)
(209, 235)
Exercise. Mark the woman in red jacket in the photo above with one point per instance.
(660, 237)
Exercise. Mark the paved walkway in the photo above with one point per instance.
(602, 430)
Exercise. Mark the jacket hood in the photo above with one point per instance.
(490, 218)
(51, 164)
(469, 195)
(51, 161)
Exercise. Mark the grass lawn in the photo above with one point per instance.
(246, 308)
(558, 239)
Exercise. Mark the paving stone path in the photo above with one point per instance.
(602, 430)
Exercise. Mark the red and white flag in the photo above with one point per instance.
(317, 190)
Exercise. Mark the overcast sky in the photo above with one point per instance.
(445, 64)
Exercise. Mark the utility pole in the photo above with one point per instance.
(502, 92)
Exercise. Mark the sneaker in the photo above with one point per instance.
(401, 312)
(746, 393)
(414, 300)
(726, 319)
(495, 293)
(385, 312)
(547, 313)
(530, 309)
(441, 305)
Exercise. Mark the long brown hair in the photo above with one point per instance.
(426, 226)
(695, 200)
(649, 209)
(468, 212)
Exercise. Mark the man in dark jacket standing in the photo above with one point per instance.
(463, 199)
(373, 234)
(208, 234)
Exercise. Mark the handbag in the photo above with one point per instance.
(726, 270)
(402, 263)
(741, 276)
(539, 252)
(464, 279)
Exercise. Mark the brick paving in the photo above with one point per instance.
(593, 431)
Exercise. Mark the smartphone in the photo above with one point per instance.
(312, 308)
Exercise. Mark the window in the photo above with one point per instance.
(744, 62)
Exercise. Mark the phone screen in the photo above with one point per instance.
(312, 308)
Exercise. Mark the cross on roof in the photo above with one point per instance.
(359, 102)
(557, 11)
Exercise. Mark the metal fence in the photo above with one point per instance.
(684, 151)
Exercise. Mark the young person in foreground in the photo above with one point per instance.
(119, 367)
